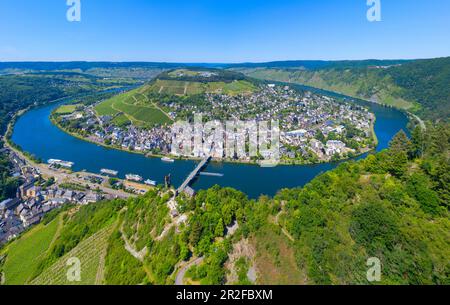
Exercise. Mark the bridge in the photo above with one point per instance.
(193, 174)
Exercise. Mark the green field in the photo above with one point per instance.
(91, 253)
(24, 255)
(132, 106)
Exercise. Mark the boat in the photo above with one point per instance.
(167, 159)
(61, 163)
(109, 172)
(133, 177)
(150, 182)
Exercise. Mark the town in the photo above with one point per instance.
(36, 196)
(314, 128)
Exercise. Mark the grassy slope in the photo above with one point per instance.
(66, 109)
(25, 253)
(134, 108)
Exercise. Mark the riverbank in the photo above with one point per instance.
(67, 176)
(35, 134)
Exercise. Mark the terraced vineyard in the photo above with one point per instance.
(176, 87)
(91, 253)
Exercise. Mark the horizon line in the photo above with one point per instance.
(215, 62)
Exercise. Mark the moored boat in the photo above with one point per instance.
(109, 172)
(167, 159)
(150, 182)
(61, 163)
(133, 177)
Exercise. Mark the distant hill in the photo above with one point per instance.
(420, 86)
(194, 81)
(86, 65)
(319, 64)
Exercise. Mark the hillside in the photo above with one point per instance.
(133, 106)
(419, 86)
(143, 106)
(392, 205)
(193, 81)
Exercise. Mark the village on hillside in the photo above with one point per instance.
(314, 128)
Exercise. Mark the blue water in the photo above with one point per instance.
(37, 135)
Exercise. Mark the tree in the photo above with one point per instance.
(196, 231)
(400, 143)
(418, 142)
(399, 148)
(218, 232)
(374, 227)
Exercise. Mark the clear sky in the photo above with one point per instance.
(222, 30)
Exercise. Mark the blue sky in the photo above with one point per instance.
(222, 30)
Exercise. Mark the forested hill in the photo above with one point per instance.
(421, 86)
(392, 205)
(319, 64)
(428, 83)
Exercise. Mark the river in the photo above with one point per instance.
(37, 135)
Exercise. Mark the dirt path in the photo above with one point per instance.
(137, 254)
(100, 276)
(58, 229)
(180, 276)
(421, 123)
(285, 232)
(129, 117)
(165, 231)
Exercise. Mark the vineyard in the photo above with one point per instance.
(91, 253)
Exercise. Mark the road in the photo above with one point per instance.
(61, 176)
(421, 123)
(180, 276)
